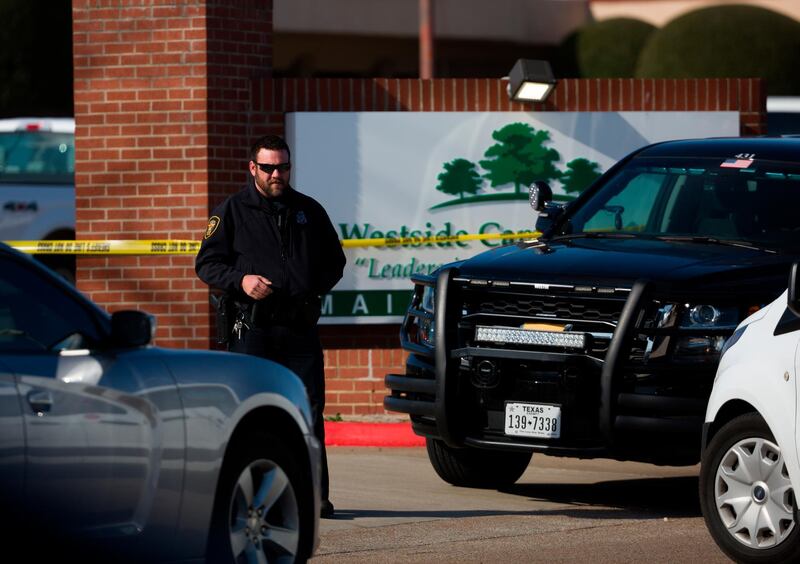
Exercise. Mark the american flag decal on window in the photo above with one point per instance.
(736, 163)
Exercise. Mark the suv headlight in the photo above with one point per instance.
(427, 300)
(697, 316)
(427, 331)
(706, 316)
(692, 344)
(419, 325)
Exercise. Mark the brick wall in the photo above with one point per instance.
(168, 94)
(271, 98)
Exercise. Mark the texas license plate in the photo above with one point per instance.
(541, 421)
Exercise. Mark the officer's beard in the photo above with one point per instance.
(273, 188)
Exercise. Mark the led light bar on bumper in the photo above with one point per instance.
(565, 339)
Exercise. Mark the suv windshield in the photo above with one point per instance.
(37, 156)
(754, 201)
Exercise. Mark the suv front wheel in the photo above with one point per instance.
(746, 495)
(476, 468)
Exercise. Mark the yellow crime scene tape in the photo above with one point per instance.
(120, 247)
(182, 247)
(415, 241)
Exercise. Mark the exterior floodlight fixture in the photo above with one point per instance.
(530, 81)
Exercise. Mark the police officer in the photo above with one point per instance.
(274, 253)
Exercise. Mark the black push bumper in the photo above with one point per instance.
(431, 391)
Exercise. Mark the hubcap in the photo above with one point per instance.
(754, 496)
(264, 523)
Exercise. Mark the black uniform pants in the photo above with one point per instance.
(301, 352)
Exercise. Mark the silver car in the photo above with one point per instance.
(111, 449)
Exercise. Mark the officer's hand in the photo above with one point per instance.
(257, 287)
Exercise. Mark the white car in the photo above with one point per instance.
(37, 184)
(750, 466)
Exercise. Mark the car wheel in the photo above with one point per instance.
(260, 510)
(746, 495)
(476, 468)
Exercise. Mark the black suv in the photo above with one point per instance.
(601, 338)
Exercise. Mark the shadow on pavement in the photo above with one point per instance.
(663, 497)
(350, 514)
(646, 498)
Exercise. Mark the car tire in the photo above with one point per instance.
(263, 467)
(746, 496)
(476, 468)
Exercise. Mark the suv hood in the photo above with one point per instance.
(623, 261)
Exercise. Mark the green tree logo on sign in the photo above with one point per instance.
(518, 157)
(459, 177)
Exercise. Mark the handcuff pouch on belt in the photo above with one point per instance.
(223, 305)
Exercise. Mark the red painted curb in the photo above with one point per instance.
(343, 433)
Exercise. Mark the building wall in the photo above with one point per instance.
(168, 95)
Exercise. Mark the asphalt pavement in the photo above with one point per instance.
(392, 507)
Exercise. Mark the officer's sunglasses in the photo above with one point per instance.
(270, 168)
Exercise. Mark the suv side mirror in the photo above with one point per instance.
(794, 289)
(132, 328)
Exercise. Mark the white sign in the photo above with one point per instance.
(401, 174)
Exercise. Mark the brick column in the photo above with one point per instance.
(162, 93)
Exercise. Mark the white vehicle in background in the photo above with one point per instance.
(37, 184)
(750, 465)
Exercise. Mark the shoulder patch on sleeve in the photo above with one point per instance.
(213, 223)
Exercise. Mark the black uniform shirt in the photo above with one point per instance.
(289, 240)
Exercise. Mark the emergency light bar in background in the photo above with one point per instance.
(183, 247)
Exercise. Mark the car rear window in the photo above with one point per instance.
(37, 157)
